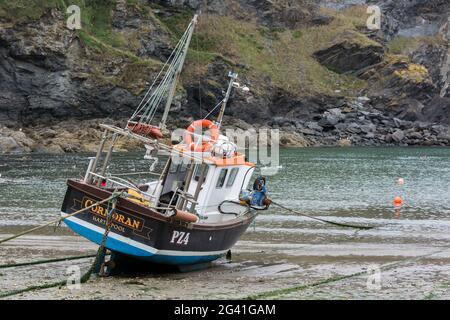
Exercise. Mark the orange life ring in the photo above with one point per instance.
(206, 145)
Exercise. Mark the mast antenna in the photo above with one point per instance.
(233, 76)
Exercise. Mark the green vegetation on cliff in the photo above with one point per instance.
(26, 10)
(405, 45)
(284, 55)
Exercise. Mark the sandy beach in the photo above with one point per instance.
(257, 270)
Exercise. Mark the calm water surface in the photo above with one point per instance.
(353, 185)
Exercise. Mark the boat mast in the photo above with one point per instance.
(176, 76)
(233, 76)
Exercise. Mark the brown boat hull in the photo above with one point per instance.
(141, 232)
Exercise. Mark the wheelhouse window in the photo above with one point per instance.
(222, 177)
(173, 168)
(198, 172)
(178, 168)
(232, 177)
(183, 167)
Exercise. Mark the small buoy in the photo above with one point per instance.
(398, 202)
(401, 181)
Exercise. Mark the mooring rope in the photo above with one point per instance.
(233, 202)
(387, 266)
(99, 257)
(57, 220)
(37, 262)
(97, 266)
(323, 220)
(41, 287)
(61, 283)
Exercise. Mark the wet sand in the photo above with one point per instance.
(261, 263)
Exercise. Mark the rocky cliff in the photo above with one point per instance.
(314, 69)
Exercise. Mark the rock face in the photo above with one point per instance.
(14, 141)
(413, 17)
(317, 75)
(43, 79)
(350, 55)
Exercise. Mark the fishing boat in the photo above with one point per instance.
(192, 211)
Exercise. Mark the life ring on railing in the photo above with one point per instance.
(206, 145)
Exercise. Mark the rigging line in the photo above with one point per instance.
(140, 106)
(182, 40)
(199, 78)
(179, 44)
(218, 105)
(170, 76)
(153, 102)
(156, 98)
(151, 114)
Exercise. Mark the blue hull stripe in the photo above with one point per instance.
(128, 249)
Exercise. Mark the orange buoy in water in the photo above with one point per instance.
(398, 202)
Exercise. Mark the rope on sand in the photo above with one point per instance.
(41, 287)
(37, 262)
(323, 220)
(387, 266)
(99, 257)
